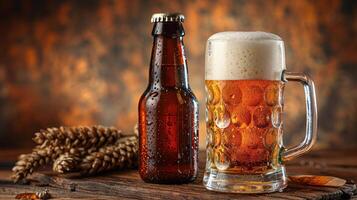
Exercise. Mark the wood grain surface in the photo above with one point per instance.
(128, 185)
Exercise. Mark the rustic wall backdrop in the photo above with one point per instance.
(86, 62)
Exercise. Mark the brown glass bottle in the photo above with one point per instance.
(168, 110)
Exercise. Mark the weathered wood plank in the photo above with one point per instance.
(113, 186)
(128, 185)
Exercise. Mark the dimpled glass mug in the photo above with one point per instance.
(245, 78)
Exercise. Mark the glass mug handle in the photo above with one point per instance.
(311, 115)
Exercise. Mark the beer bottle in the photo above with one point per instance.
(168, 110)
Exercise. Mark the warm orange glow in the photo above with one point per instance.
(75, 63)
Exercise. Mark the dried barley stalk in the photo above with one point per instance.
(66, 163)
(27, 163)
(87, 149)
(77, 137)
(121, 155)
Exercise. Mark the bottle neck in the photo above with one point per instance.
(168, 62)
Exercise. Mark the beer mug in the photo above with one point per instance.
(245, 74)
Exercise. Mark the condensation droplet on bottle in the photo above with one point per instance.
(153, 94)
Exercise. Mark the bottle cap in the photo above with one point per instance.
(167, 17)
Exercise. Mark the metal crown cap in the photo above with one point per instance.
(167, 17)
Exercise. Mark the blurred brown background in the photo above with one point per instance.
(86, 62)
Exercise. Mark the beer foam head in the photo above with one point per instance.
(244, 55)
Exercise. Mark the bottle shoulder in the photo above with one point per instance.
(173, 94)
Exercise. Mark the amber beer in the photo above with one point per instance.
(245, 78)
(168, 110)
(244, 124)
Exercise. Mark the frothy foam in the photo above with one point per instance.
(244, 55)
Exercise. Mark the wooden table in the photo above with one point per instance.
(128, 185)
